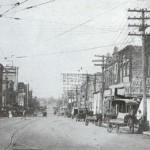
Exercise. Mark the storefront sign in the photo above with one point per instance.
(136, 87)
(125, 79)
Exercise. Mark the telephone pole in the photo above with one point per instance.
(142, 27)
(103, 65)
(87, 77)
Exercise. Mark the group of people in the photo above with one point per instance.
(23, 117)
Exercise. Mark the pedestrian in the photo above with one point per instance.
(24, 114)
(10, 114)
(139, 118)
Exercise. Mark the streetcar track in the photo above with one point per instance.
(16, 131)
(11, 124)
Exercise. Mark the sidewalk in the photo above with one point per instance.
(146, 132)
(3, 118)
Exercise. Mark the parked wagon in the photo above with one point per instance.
(126, 110)
(74, 112)
(96, 119)
(80, 116)
(44, 113)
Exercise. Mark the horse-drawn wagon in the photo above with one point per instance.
(96, 119)
(125, 110)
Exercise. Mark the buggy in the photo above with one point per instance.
(126, 110)
(97, 119)
(81, 114)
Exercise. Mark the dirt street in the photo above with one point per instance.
(59, 133)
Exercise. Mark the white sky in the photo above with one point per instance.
(39, 31)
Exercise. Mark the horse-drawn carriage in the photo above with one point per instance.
(74, 112)
(125, 111)
(96, 119)
(81, 114)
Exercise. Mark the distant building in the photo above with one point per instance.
(147, 48)
(9, 87)
(69, 81)
(22, 94)
(1, 80)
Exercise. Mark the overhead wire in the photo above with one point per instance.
(127, 35)
(135, 27)
(75, 26)
(123, 29)
(88, 49)
(30, 7)
(125, 23)
(16, 5)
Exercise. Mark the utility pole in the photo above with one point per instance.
(86, 90)
(142, 27)
(76, 95)
(80, 97)
(103, 65)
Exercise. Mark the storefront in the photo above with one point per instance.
(96, 104)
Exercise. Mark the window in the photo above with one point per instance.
(121, 73)
(148, 64)
(128, 68)
(124, 69)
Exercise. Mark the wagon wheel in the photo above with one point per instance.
(99, 122)
(109, 128)
(130, 125)
(86, 122)
(117, 128)
(76, 118)
(96, 123)
(84, 118)
(72, 116)
(106, 119)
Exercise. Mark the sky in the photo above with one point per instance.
(63, 36)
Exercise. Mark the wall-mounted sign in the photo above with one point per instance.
(136, 87)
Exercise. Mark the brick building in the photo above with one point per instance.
(123, 68)
(1, 80)
(91, 91)
(123, 75)
(10, 87)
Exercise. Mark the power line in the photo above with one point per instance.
(88, 49)
(75, 26)
(88, 21)
(16, 5)
(124, 28)
(30, 7)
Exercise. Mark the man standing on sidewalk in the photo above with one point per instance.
(24, 114)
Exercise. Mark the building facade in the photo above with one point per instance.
(123, 75)
(69, 81)
(1, 87)
(10, 87)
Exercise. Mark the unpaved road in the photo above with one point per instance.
(59, 133)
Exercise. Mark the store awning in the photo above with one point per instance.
(108, 93)
(120, 85)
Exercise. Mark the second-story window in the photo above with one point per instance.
(128, 68)
(124, 69)
(121, 73)
(148, 64)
